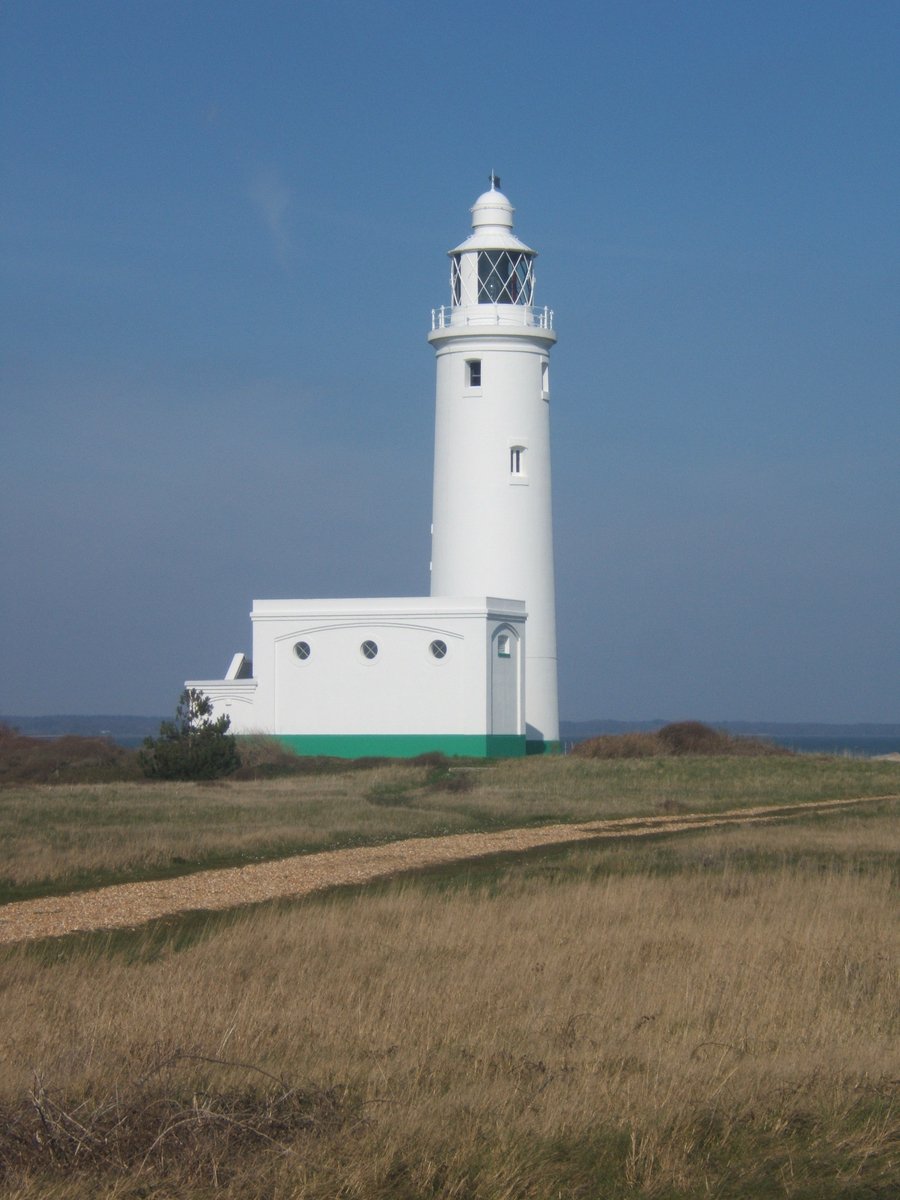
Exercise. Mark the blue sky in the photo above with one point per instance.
(224, 227)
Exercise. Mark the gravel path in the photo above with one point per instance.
(131, 904)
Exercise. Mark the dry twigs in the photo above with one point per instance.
(152, 1124)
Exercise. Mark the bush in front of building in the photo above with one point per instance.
(193, 746)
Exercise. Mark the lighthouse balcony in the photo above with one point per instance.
(454, 316)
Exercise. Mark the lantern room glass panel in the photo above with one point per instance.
(505, 277)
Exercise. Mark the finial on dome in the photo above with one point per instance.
(492, 210)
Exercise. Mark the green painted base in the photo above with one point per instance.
(543, 748)
(404, 745)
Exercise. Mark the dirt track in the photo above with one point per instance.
(131, 904)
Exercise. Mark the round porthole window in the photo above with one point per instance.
(302, 650)
(438, 648)
(369, 649)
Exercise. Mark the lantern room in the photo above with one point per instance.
(492, 266)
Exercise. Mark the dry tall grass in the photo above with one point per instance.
(84, 835)
(728, 1029)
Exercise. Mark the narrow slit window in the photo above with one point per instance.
(473, 373)
(503, 646)
(517, 460)
(545, 377)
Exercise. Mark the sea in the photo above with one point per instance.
(859, 747)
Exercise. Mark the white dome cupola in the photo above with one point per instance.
(492, 208)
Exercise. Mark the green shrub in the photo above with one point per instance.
(193, 746)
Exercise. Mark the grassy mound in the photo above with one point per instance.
(679, 738)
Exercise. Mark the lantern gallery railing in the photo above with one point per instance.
(491, 314)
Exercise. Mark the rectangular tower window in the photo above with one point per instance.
(545, 377)
(516, 460)
(473, 373)
(503, 646)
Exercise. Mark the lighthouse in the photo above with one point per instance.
(492, 530)
(470, 669)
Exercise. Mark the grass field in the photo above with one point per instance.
(61, 837)
(709, 1014)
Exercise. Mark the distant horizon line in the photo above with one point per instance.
(613, 724)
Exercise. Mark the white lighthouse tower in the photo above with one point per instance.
(492, 520)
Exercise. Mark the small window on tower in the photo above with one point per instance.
(473, 373)
(545, 377)
(517, 460)
(503, 646)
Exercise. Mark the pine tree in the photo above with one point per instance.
(193, 746)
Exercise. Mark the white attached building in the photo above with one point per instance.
(470, 669)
